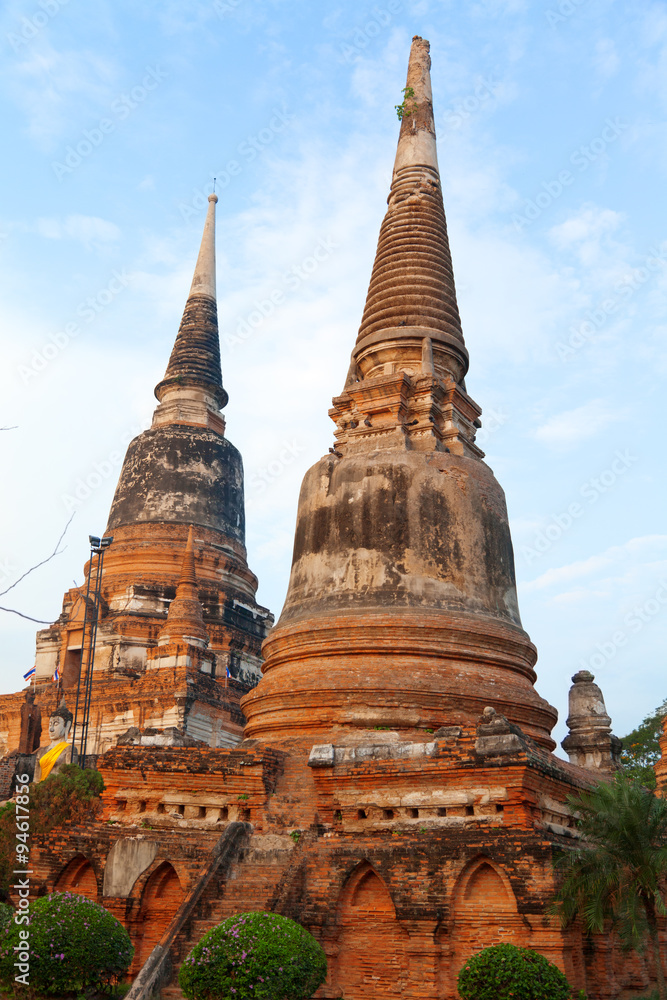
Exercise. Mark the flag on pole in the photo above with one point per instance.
(30, 673)
(228, 672)
(56, 675)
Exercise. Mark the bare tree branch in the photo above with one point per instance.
(13, 611)
(56, 552)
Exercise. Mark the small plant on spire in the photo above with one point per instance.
(401, 109)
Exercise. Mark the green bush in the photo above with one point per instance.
(74, 946)
(72, 796)
(260, 955)
(505, 971)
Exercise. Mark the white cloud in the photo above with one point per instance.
(87, 229)
(614, 557)
(564, 430)
(588, 234)
(56, 88)
(605, 60)
(590, 222)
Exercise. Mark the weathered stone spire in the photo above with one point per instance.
(401, 610)
(194, 375)
(416, 142)
(405, 384)
(185, 618)
(412, 293)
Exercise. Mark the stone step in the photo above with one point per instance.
(200, 927)
(254, 885)
(171, 993)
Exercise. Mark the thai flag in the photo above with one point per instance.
(56, 675)
(30, 673)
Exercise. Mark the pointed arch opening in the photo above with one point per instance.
(368, 894)
(484, 912)
(484, 886)
(78, 876)
(371, 961)
(161, 897)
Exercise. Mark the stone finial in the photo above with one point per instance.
(203, 281)
(195, 358)
(416, 144)
(185, 618)
(590, 742)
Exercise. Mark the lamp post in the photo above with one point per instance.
(98, 547)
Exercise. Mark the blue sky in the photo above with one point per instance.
(552, 145)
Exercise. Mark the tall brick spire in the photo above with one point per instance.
(402, 610)
(412, 293)
(179, 473)
(405, 385)
(185, 618)
(195, 359)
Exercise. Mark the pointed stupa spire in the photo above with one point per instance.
(412, 294)
(403, 556)
(185, 618)
(195, 358)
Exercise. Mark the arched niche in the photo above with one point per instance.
(484, 912)
(78, 876)
(370, 961)
(365, 892)
(161, 897)
(484, 888)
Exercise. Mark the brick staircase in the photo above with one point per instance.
(250, 884)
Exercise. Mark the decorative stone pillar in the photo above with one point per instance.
(590, 742)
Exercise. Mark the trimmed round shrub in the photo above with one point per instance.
(261, 955)
(505, 971)
(74, 946)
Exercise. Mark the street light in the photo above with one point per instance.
(91, 614)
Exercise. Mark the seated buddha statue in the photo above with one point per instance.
(58, 752)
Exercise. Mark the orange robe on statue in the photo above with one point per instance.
(47, 761)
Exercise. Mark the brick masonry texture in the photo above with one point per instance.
(401, 866)
(395, 791)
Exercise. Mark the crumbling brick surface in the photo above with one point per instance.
(453, 852)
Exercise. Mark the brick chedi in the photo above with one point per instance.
(396, 790)
(402, 607)
(176, 588)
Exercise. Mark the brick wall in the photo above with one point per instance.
(398, 900)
